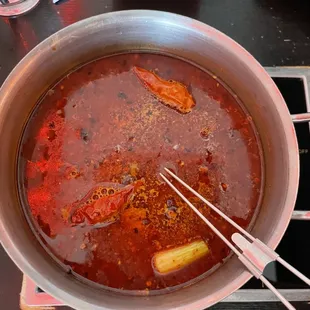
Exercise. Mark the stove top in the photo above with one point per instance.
(294, 84)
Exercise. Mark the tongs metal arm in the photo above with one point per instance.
(254, 254)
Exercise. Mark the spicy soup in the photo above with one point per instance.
(89, 169)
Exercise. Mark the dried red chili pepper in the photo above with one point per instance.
(172, 93)
(102, 204)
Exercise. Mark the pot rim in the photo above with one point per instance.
(244, 57)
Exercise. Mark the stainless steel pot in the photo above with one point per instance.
(176, 35)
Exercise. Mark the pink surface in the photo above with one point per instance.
(32, 298)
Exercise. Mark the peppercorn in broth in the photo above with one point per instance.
(90, 161)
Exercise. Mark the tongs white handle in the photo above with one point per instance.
(255, 255)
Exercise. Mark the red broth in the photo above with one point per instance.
(100, 137)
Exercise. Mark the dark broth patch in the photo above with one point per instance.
(85, 134)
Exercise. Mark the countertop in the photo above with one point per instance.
(276, 33)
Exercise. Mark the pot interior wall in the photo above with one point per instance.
(167, 33)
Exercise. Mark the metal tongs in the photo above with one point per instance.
(253, 253)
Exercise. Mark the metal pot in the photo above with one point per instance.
(167, 33)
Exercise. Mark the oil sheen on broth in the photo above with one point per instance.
(90, 162)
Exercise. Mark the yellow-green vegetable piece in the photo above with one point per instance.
(176, 258)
